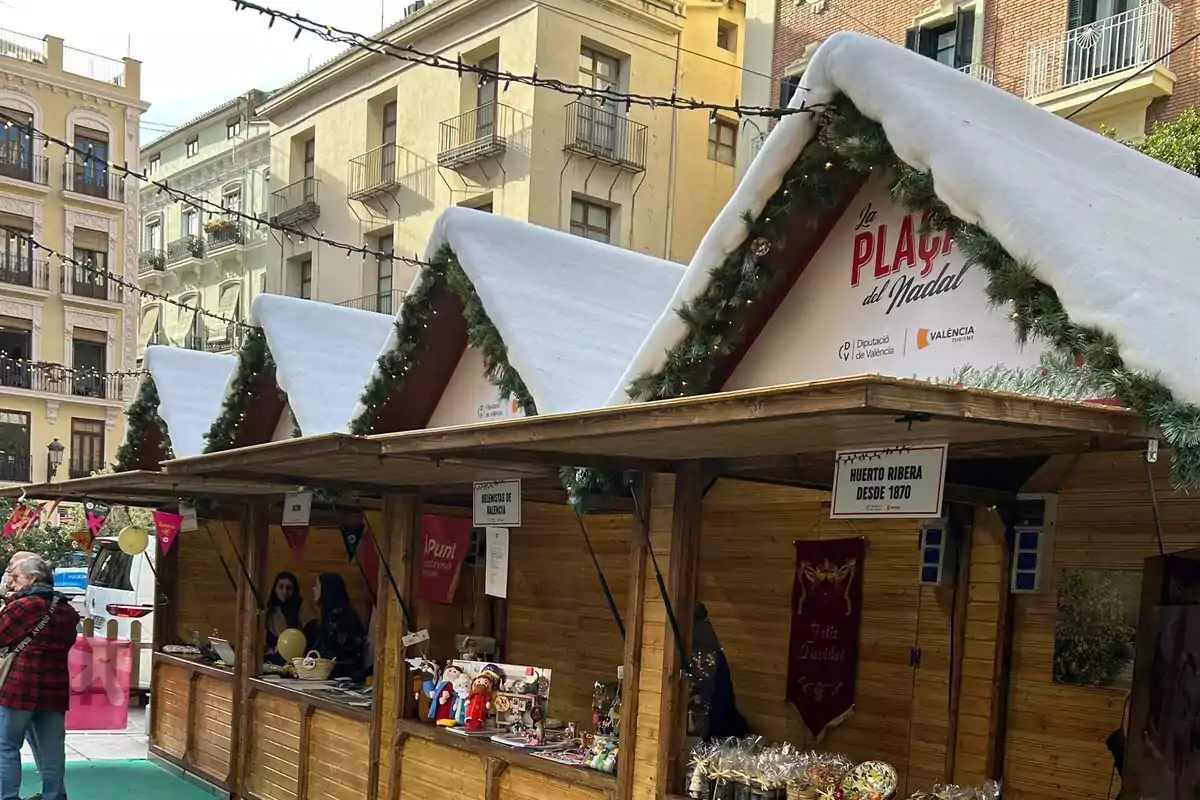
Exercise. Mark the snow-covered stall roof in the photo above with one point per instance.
(1114, 232)
(190, 386)
(323, 355)
(571, 311)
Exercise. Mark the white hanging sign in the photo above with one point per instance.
(496, 579)
(189, 522)
(297, 509)
(497, 503)
(889, 482)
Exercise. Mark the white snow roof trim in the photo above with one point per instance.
(191, 385)
(572, 312)
(324, 355)
(1113, 231)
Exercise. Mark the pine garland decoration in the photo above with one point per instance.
(444, 273)
(1057, 376)
(847, 147)
(140, 418)
(253, 360)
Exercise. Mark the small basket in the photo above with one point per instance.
(312, 667)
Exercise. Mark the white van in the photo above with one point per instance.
(121, 588)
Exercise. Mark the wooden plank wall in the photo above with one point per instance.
(273, 771)
(206, 601)
(747, 563)
(338, 757)
(212, 725)
(1056, 734)
(170, 708)
(557, 615)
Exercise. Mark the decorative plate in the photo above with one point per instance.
(870, 780)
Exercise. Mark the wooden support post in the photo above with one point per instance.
(674, 520)
(189, 730)
(250, 636)
(980, 679)
(635, 611)
(491, 786)
(401, 529)
(303, 750)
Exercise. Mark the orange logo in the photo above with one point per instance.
(922, 338)
(515, 405)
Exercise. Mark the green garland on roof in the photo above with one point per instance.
(254, 358)
(140, 419)
(849, 146)
(443, 272)
(1057, 376)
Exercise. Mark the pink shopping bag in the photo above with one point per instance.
(100, 675)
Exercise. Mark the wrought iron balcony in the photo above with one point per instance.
(93, 179)
(151, 261)
(478, 134)
(190, 246)
(1134, 38)
(296, 202)
(606, 136)
(382, 303)
(56, 379)
(21, 271)
(374, 172)
(19, 162)
(224, 233)
(980, 71)
(15, 467)
(79, 282)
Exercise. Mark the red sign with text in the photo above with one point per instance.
(444, 543)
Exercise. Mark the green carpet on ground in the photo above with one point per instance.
(117, 780)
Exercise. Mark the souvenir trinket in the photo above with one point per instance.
(482, 687)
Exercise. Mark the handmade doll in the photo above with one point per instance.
(462, 693)
(429, 687)
(441, 706)
(481, 696)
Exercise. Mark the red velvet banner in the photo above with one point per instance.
(444, 543)
(826, 615)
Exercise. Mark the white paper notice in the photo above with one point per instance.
(297, 509)
(190, 522)
(496, 580)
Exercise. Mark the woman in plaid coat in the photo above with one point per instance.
(37, 691)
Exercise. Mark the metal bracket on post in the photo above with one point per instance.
(1152, 451)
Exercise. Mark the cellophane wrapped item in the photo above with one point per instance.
(990, 790)
(750, 769)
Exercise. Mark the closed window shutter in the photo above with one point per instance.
(787, 89)
(912, 39)
(964, 38)
(1075, 14)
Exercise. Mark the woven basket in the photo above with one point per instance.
(312, 667)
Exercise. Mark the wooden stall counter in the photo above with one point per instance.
(435, 763)
(191, 717)
(303, 743)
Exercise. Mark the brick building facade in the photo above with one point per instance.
(1060, 54)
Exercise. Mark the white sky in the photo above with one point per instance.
(195, 54)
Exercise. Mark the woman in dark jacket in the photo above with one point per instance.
(337, 633)
(37, 692)
(283, 611)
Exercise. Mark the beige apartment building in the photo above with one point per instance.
(369, 149)
(1101, 62)
(67, 335)
(193, 253)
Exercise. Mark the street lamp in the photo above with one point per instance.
(54, 457)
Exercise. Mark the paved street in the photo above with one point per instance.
(105, 745)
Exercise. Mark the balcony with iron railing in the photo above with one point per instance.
(85, 284)
(90, 65)
(94, 180)
(20, 162)
(56, 379)
(22, 47)
(222, 233)
(380, 303)
(606, 136)
(296, 202)
(185, 248)
(31, 273)
(979, 71)
(15, 467)
(374, 172)
(1101, 53)
(151, 261)
(480, 133)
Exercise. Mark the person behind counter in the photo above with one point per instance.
(284, 610)
(337, 632)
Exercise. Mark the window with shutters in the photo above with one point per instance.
(947, 39)
(87, 447)
(787, 89)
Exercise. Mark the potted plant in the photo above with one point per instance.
(215, 225)
(195, 247)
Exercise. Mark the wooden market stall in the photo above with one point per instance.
(735, 478)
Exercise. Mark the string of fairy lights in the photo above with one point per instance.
(411, 54)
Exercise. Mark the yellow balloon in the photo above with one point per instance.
(133, 541)
(291, 644)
